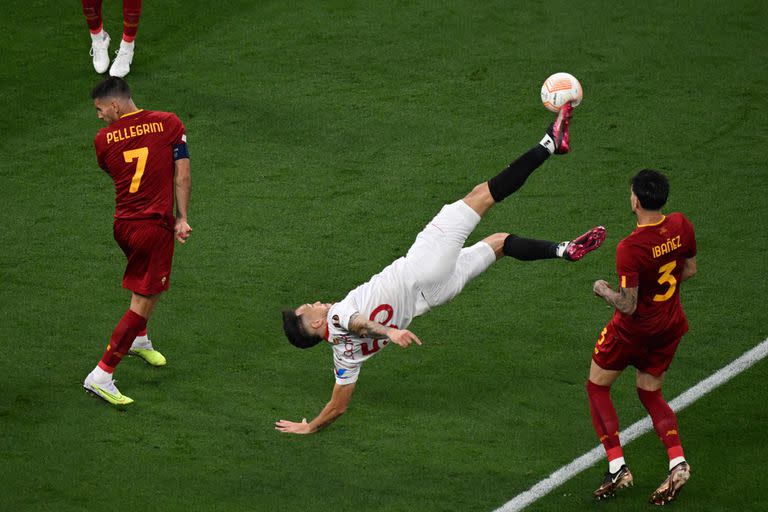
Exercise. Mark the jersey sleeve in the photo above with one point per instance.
(341, 312)
(177, 132)
(627, 266)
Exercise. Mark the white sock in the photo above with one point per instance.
(142, 342)
(100, 376)
(548, 143)
(561, 247)
(615, 464)
(674, 462)
(97, 38)
(126, 46)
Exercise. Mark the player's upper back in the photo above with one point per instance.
(653, 257)
(137, 151)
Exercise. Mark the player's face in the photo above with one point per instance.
(313, 312)
(106, 110)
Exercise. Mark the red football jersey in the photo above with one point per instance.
(652, 258)
(137, 152)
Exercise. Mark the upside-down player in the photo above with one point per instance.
(644, 331)
(145, 153)
(435, 270)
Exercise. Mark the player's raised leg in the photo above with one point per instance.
(504, 184)
(665, 423)
(99, 37)
(131, 14)
(606, 424)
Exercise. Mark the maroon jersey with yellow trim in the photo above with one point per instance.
(652, 258)
(137, 152)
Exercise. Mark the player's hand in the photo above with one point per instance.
(291, 427)
(601, 287)
(182, 230)
(403, 337)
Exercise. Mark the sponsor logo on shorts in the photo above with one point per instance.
(340, 373)
(163, 280)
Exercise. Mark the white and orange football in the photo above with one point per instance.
(559, 89)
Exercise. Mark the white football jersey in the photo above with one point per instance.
(390, 298)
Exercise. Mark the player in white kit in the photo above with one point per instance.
(435, 269)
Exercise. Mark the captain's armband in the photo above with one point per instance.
(180, 151)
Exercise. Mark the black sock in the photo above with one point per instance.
(513, 177)
(528, 249)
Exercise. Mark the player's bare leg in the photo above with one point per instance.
(606, 424)
(665, 424)
(142, 347)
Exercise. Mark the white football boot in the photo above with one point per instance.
(100, 52)
(121, 66)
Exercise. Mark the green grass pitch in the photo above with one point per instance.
(323, 136)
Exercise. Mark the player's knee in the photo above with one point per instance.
(496, 242)
(480, 192)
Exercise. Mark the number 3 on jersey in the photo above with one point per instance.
(141, 154)
(667, 277)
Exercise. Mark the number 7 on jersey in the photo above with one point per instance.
(130, 156)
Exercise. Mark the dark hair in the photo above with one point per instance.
(111, 87)
(651, 188)
(295, 331)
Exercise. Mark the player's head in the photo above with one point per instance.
(304, 325)
(112, 99)
(650, 190)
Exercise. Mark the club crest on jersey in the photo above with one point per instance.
(336, 322)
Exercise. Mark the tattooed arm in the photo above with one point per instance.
(625, 300)
(370, 329)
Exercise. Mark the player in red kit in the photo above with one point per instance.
(645, 330)
(100, 39)
(145, 154)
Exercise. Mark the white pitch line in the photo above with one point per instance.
(635, 430)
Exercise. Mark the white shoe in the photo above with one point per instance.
(107, 391)
(121, 66)
(100, 53)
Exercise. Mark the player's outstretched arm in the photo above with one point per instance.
(183, 189)
(336, 407)
(625, 300)
(368, 329)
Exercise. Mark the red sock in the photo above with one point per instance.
(131, 14)
(121, 340)
(604, 419)
(92, 11)
(664, 421)
(142, 332)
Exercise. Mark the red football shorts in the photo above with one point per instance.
(614, 353)
(148, 245)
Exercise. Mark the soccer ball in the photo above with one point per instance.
(560, 89)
